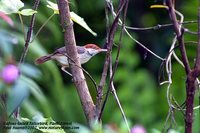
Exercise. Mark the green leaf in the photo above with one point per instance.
(7, 39)
(53, 6)
(1, 87)
(50, 127)
(16, 95)
(85, 129)
(27, 12)
(47, 125)
(73, 16)
(155, 131)
(10, 6)
(173, 131)
(30, 70)
(34, 89)
(81, 22)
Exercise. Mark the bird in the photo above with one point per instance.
(85, 53)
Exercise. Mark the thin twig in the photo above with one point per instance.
(179, 33)
(22, 25)
(190, 32)
(42, 27)
(192, 74)
(168, 60)
(139, 43)
(85, 71)
(109, 48)
(27, 40)
(100, 89)
(29, 33)
(158, 26)
(142, 45)
(178, 107)
(113, 91)
(167, 118)
(192, 42)
(112, 73)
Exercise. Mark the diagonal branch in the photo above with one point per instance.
(179, 34)
(77, 73)
(28, 37)
(29, 33)
(107, 60)
(158, 26)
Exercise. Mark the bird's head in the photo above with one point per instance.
(93, 49)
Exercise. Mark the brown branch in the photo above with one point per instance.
(158, 26)
(29, 33)
(191, 74)
(26, 45)
(107, 60)
(179, 35)
(190, 90)
(100, 87)
(112, 72)
(77, 73)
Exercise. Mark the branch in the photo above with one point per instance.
(28, 37)
(136, 41)
(179, 35)
(158, 26)
(191, 74)
(113, 91)
(110, 6)
(29, 33)
(107, 60)
(112, 72)
(77, 73)
(100, 87)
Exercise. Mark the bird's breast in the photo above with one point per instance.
(63, 60)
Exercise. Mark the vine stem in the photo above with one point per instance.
(22, 25)
(109, 45)
(29, 33)
(42, 27)
(192, 74)
(27, 40)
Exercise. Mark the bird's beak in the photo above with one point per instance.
(103, 50)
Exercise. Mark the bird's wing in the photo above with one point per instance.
(80, 50)
(62, 50)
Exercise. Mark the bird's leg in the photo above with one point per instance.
(63, 69)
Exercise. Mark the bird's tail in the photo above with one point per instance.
(43, 59)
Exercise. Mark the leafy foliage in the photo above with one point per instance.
(14, 6)
(73, 15)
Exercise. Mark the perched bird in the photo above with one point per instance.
(85, 53)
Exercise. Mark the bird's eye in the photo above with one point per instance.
(89, 53)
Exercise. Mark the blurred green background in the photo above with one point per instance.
(144, 101)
